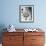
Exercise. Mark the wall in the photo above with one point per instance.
(9, 13)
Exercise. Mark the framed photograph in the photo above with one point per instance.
(26, 13)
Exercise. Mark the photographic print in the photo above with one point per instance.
(26, 13)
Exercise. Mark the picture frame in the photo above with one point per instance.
(26, 13)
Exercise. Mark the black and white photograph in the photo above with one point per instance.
(26, 13)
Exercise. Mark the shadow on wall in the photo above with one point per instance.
(2, 26)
